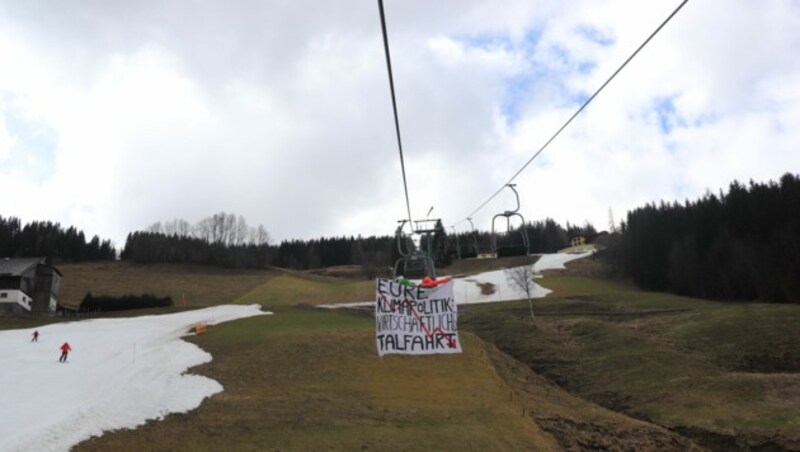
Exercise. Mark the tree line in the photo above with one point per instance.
(379, 252)
(145, 247)
(739, 245)
(226, 240)
(222, 239)
(544, 236)
(373, 252)
(221, 228)
(50, 240)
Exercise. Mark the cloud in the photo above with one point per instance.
(281, 112)
(6, 141)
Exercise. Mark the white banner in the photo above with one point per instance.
(415, 320)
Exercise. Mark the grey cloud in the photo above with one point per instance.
(297, 128)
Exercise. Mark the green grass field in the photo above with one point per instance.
(727, 373)
(605, 366)
(308, 379)
(294, 288)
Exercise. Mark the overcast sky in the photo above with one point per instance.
(118, 114)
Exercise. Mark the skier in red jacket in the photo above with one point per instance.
(65, 349)
(35, 336)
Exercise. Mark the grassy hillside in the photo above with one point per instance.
(307, 379)
(725, 374)
(198, 285)
(297, 288)
(310, 380)
(606, 366)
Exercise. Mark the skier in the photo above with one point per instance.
(35, 336)
(65, 349)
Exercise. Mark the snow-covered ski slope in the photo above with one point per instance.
(467, 290)
(120, 373)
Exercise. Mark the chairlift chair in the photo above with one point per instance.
(413, 263)
(415, 266)
(521, 248)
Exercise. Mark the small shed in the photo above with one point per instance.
(577, 240)
(28, 286)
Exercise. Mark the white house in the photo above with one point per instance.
(28, 286)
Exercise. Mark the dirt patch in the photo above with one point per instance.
(486, 288)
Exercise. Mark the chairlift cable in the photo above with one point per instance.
(394, 108)
(576, 113)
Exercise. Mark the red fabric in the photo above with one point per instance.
(66, 347)
(428, 282)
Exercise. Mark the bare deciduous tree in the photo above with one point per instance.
(155, 228)
(183, 228)
(259, 236)
(240, 231)
(204, 229)
(523, 278)
(168, 228)
(221, 228)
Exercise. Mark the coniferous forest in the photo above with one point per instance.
(46, 239)
(739, 245)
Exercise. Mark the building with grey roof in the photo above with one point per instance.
(28, 286)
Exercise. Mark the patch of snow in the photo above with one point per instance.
(467, 290)
(121, 373)
(556, 261)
